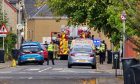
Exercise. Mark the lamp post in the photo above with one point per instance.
(123, 17)
(19, 25)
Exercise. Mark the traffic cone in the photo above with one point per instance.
(13, 63)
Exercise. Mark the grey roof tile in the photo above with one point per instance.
(33, 11)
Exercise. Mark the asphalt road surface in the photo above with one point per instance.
(51, 74)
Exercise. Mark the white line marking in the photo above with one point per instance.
(33, 69)
(45, 69)
(30, 78)
(57, 69)
(6, 72)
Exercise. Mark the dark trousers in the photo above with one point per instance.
(50, 57)
(102, 57)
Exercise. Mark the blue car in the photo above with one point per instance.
(31, 52)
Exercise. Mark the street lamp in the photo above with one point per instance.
(123, 17)
(19, 25)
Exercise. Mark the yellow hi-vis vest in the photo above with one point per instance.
(50, 47)
(102, 47)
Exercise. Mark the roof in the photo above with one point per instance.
(33, 11)
(9, 4)
(13, 1)
(37, 12)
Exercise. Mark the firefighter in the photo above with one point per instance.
(50, 53)
(55, 50)
(102, 52)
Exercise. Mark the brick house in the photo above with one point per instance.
(11, 14)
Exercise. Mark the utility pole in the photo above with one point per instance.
(123, 17)
(3, 18)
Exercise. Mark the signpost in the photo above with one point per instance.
(3, 32)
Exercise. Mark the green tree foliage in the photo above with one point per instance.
(10, 42)
(103, 15)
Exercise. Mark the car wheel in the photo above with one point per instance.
(40, 63)
(19, 63)
(69, 66)
(93, 66)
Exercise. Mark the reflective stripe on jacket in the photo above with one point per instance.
(102, 47)
(50, 47)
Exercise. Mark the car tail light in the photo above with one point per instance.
(94, 50)
(40, 52)
(72, 54)
(91, 55)
(22, 53)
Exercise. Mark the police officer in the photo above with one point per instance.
(102, 53)
(105, 49)
(50, 53)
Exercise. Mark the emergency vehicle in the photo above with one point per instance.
(65, 37)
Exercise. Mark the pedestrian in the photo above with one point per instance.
(102, 52)
(50, 53)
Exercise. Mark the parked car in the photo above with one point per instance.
(45, 52)
(82, 55)
(31, 52)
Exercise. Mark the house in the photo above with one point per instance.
(11, 14)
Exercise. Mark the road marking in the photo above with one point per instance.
(57, 69)
(6, 72)
(33, 69)
(45, 69)
(30, 78)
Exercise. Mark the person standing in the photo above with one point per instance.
(55, 50)
(102, 53)
(104, 50)
(50, 53)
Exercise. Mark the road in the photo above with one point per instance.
(50, 74)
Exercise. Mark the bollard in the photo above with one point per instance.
(13, 63)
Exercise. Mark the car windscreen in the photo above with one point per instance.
(30, 48)
(89, 50)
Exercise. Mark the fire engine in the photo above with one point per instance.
(65, 37)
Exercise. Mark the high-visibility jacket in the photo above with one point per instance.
(102, 47)
(50, 47)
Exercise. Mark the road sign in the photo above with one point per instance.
(2, 35)
(19, 26)
(3, 29)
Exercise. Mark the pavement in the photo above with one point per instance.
(100, 68)
(5, 65)
(117, 79)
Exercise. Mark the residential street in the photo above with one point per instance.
(57, 74)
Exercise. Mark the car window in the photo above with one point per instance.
(82, 49)
(30, 49)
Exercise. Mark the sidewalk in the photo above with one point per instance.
(112, 80)
(6, 64)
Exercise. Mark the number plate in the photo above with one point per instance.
(81, 60)
(31, 59)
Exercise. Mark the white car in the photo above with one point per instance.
(82, 55)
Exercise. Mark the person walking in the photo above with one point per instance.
(102, 52)
(50, 53)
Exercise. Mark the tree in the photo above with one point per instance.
(103, 15)
(10, 41)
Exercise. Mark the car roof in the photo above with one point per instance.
(30, 43)
(82, 46)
